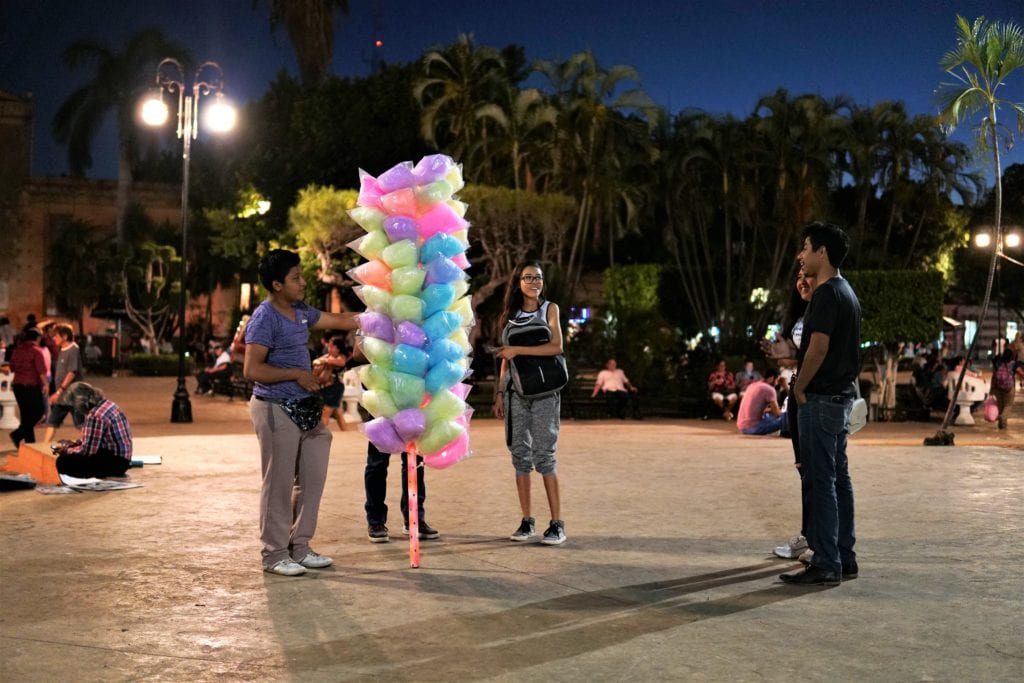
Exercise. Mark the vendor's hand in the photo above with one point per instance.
(308, 381)
(499, 406)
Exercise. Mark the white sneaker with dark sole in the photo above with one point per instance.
(792, 549)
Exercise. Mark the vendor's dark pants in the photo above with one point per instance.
(375, 479)
(102, 464)
(31, 408)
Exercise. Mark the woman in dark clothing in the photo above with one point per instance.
(30, 385)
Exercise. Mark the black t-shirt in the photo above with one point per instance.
(834, 310)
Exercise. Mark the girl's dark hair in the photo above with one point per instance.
(514, 294)
(275, 265)
(797, 306)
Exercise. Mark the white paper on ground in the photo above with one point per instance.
(94, 484)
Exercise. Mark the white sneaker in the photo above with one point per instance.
(314, 560)
(288, 567)
(792, 549)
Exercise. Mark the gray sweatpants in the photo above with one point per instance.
(294, 467)
(532, 431)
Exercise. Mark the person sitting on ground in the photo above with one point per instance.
(745, 377)
(617, 390)
(105, 447)
(723, 389)
(221, 367)
(759, 412)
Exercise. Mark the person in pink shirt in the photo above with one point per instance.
(759, 412)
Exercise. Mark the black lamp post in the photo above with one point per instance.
(220, 117)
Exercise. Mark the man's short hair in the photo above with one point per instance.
(64, 330)
(832, 237)
(771, 372)
(275, 265)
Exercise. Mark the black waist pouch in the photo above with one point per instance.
(306, 412)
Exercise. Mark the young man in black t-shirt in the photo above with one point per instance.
(829, 358)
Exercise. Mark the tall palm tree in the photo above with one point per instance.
(597, 122)
(119, 80)
(524, 123)
(310, 27)
(985, 56)
(457, 82)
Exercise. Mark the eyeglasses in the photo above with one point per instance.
(532, 279)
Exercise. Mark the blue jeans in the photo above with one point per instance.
(823, 431)
(769, 423)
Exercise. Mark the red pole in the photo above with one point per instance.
(414, 507)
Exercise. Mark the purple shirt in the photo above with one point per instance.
(287, 341)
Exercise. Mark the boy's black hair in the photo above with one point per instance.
(832, 237)
(274, 267)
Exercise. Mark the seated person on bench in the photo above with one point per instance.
(105, 449)
(221, 367)
(617, 390)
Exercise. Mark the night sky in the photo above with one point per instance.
(720, 56)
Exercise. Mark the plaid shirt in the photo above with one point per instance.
(106, 427)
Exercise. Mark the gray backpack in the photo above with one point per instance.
(534, 376)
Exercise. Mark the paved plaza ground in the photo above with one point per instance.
(667, 574)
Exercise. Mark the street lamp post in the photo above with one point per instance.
(1008, 239)
(220, 117)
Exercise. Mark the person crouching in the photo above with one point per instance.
(105, 447)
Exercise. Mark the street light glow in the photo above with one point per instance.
(220, 116)
(154, 111)
(1012, 240)
(982, 239)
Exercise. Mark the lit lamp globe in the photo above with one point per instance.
(982, 240)
(154, 112)
(220, 116)
(1012, 240)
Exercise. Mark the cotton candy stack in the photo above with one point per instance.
(414, 330)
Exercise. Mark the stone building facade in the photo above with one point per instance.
(34, 211)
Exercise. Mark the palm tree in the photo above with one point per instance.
(118, 82)
(985, 56)
(310, 27)
(598, 123)
(524, 126)
(457, 82)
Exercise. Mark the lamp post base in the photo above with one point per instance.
(181, 408)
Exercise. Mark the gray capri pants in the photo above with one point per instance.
(531, 430)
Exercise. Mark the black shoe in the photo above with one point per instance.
(812, 576)
(378, 533)
(850, 571)
(427, 532)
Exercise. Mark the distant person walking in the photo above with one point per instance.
(66, 371)
(30, 385)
